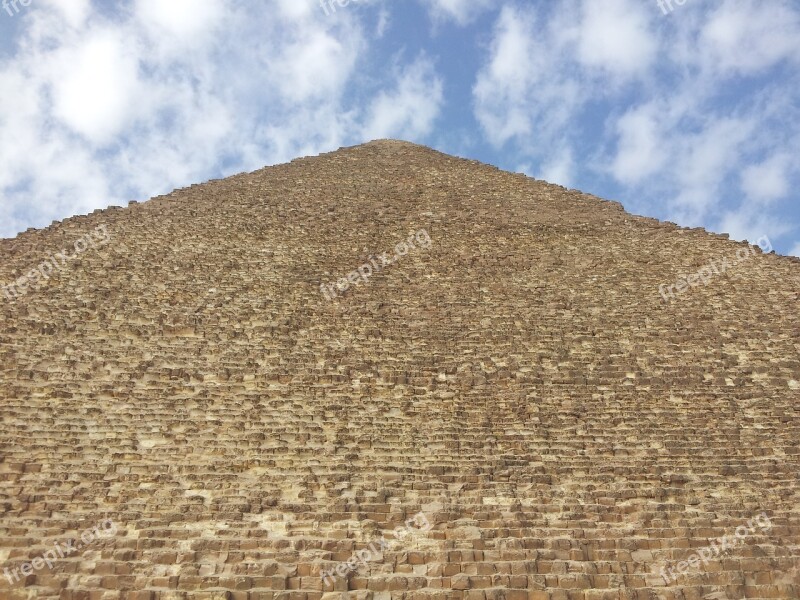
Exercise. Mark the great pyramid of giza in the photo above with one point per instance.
(387, 373)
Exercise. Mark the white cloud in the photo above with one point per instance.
(746, 224)
(460, 11)
(546, 64)
(706, 156)
(312, 67)
(769, 180)
(559, 168)
(294, 11)
(512, 86)
(795, 251)
(513, 62)
(185, 20)
(615, 36)
(749, 36)
(94, 85)
(641, 148)
(73, 13)
(409, 110)
(384, 20)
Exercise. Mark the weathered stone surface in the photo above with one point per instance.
(521, 382)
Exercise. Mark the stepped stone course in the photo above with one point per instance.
(521, 383)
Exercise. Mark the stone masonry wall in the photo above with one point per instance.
(565, 432)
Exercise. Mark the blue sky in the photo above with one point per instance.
(689, 115)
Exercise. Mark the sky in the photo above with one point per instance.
(688, 113)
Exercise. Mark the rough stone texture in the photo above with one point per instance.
(522, 383)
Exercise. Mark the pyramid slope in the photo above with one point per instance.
(518, 385)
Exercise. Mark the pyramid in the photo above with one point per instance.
(388, 373)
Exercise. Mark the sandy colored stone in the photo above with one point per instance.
(521, 382)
